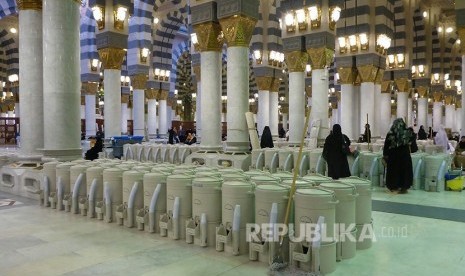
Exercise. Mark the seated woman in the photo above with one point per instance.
(92, 154)
(191, 139)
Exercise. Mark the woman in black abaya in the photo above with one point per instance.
(396, 154)
(267, 139)
(335, 153)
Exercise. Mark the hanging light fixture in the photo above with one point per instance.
(353, 43)
(289, 20)
(257, 54)
(301, 16)
(400, 60)
(342, 44)
(119, 17)
(363, 41)
(315, 17)
(334, 16)
(99, 15)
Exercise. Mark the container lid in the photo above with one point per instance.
(298, 182)
(206, 181)
(355, 181)
(316, 177)
(283, 175)
(180, 176)
(313, 192)
(254, 172)
(266, 178)
(237, 184)
(112, 170)
(337, 186)
(272, 188)
(65, 165)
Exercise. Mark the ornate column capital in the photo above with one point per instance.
(264, 83)
(125, 98)
(437, 96)
(320, 57)
(275, 85)
(402, 84)
(112, 58)
(209, 36)
(422, 91)
(448, 100)
(367, 72)
(379, 76)
(285, 108)
(458, 104)
(385, 87)
(347, 75)
(29, 5)
(89, 88)
(139, 81)
(151, 93)
(238, 30)
(296, 61)
(162, 95)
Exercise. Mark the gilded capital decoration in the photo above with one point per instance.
(347, 75)
(422, 91)
(461, 31)
(197, 72)
(89, 88)
(29, 5)
(264, 83)
(112, 58)
(458, 104)
(83, 100)
(296, 61)
(437, 96)
(171, 101)
(162, 95)
(285, 108)
(151, 93)
(139, 81)
(238, 29)
(253, 108)
(367, 72)
(448, 100)
(379, 76)
(275, 85)
(402, 84)
(385, 87)
(209, 36)
(308, 91)
(320, 57)
(125, 98)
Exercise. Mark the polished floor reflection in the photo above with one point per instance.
(39, 241)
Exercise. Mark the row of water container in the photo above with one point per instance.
(285, 159)
(158, 153)
(425, 146)
(212, 207)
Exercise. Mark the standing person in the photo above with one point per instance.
(413, 140)
(335, 153)
(422, 135)
(171, 136)
(396, 155)
(367, 134)
(441, 138)
(266, 140)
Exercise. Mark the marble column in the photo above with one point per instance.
(263, 113)
(402, 105)
(348, 115)
(198, 106)
(82, 108)
(31, 93)
(462, 116)
(124, 113)
(139, 83)
(90, 89)
(163, 113)
(274, 111)
(321, 59)
(151, 95)
(112, 90)
(437, 111)
(376, 129)
(385, 113)
(458, 116)
(61, 70)
(238, 79)
(449, 121)
(368, 75)
(422, 111)
(210, 65)
(409, 112)
(17, 110)
(285, 114)
(296, 62)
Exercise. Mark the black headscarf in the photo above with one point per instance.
(337, 133)
(266, 140)
(462, 144)
(422, 135)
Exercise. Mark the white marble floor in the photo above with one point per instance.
(40, 241)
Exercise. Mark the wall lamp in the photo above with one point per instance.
(119, 16)
(99, 15)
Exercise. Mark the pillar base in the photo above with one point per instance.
(237, 147)
(62, 155)
(28, 158)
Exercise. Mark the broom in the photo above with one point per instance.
(278, 260)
